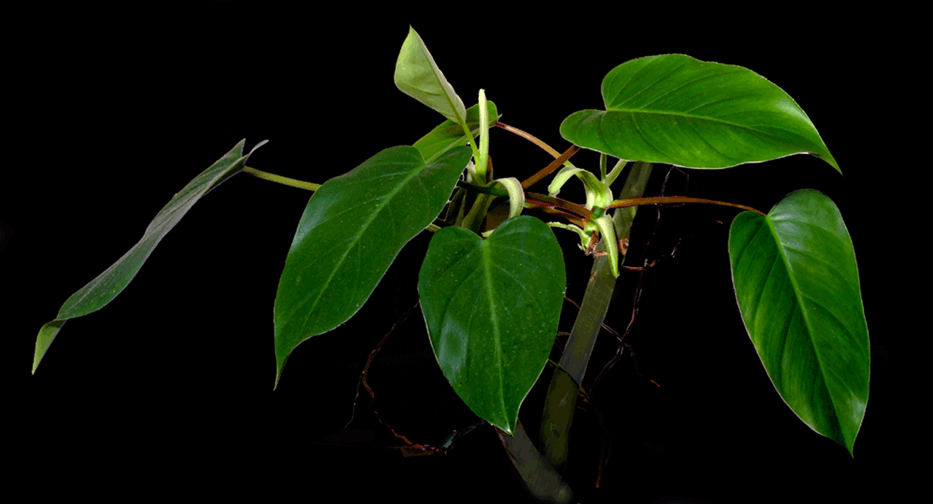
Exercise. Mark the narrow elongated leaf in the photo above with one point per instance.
(797, 286)
(678, 110)
(349, 234)
(449, 134)
(417, 75)
(101, 290)
(491, 308)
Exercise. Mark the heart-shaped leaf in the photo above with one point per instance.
(103, 289)
(491, 308)
(450, 134)
(678, 110)
(797, 286)
(417, 75)
(349, 234)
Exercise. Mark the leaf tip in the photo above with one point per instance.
(280, 364)
(44, 339)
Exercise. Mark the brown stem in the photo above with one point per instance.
(578, 214)
(531, 138)
(557, 203)
(629, 202)
(550, 168)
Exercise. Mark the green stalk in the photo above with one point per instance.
(540, 478)
(469, 135)
(616, 170)
(563, 390)
(483, 138)
(308, 186)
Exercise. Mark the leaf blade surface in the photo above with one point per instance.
(796, 283)
(491, 308)
(111, 282)
(350, 233)
(678, 110)
(417, 75)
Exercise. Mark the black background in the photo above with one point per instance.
(170, 386)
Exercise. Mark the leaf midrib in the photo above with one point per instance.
(693, 117)
(497, 336)
(806, 317)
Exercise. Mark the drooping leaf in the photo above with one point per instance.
(450, 134)
(417, 75)
(678, 110)
(103, 289)
(797, 286)
(491, 308)
(352, 229)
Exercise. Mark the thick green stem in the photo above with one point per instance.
(563, 390)
(540, 478)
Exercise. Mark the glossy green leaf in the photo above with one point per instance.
(450, 134)
(491, 308)
(101, 290)
(417, 75)
(797, 286)
(678, 110)
(352, 229)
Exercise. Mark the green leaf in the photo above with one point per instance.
(349, 234)
(797, 286)
(417, 75)
(491, 308)
(101, 290)
(449, 134)
(678, 110)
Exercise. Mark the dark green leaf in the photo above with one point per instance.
(678, 110)
(797, 285)
(114, 279)
(450, 134)
(349, 234)
(492, 307)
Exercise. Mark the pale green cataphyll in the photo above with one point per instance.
(492, 282)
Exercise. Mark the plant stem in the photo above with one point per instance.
(535, 200)
(550, 168)
(632, 202)
(616, 170)
(483, 189)
(474, 218)
(469, 135)
(527, 136)
(563, 389)
(540, 478)
(308, 186)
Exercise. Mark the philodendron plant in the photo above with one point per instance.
(492, 282)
